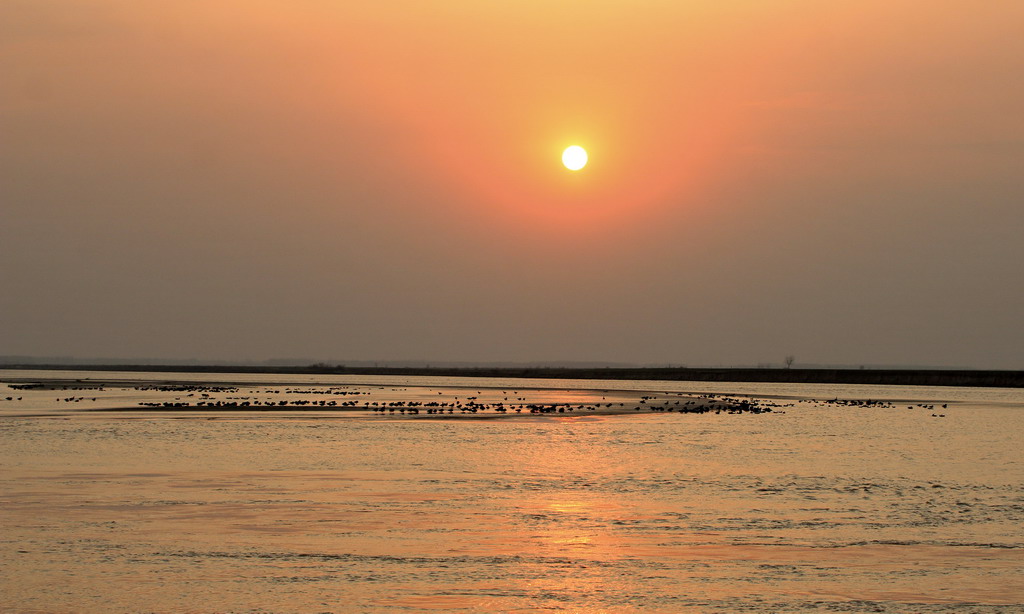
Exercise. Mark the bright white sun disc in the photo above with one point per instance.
(574, 157)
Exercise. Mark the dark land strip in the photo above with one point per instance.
(896, 377)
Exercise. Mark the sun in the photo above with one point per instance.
(574, 157)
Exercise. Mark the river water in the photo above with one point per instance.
(901, 506)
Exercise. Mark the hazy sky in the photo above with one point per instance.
(842, 181)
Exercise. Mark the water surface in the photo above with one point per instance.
(812, 507)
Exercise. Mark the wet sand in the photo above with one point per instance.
(188, 399)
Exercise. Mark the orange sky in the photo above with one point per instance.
(435, 129)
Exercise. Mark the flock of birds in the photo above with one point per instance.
(880, 404)
(473, 407)
(470, 405)
(226, 397)
(207, 400)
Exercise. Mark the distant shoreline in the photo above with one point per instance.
(893, 377)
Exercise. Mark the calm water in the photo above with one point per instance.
(813, 507)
